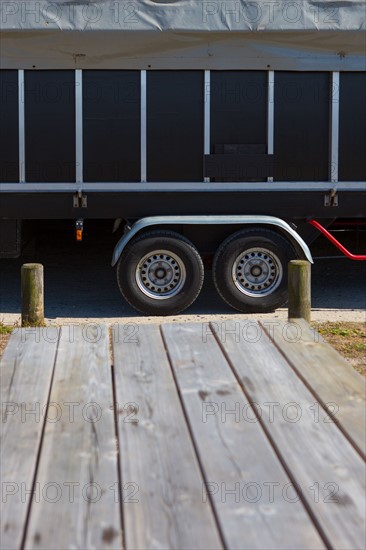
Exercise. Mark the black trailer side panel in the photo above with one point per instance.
(175, 106)
(9, 131)
(238, 107)
(146, 201)
(352, 127)
(111, 109)
(239, 118)
(301, 126)
(50, 126)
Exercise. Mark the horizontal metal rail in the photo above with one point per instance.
(336, 243)
(191, 186)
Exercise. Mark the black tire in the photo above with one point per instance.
(254, 282)
(142, 282)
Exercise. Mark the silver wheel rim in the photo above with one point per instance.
(160, 275)
(257, 272)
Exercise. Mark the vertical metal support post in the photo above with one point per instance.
(207, 115)
(79, 124)
(334, 133)
(143, 127)
(21, 122)
(270, 115)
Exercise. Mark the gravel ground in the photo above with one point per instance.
(80, 285)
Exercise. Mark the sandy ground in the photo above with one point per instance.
(80, 286)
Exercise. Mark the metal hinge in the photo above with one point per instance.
(80, 200)
(331, 198)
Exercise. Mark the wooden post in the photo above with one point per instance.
(32, 295)
(299, 290)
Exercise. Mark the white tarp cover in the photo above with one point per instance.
(183, 34)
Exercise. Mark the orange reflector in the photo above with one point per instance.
(79, 234)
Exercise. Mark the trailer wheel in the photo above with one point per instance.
(160, 273)
(250, 270)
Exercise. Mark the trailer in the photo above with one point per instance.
(234, 130)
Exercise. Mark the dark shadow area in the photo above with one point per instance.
(80, 282)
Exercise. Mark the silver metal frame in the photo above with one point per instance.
(207, 115)
(79, 125)
(21, 122)
(270, 115)
(143, 136)
(184, 187)
(334, 128)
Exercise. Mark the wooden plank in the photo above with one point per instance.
(77, 476)
(156, 452)
(326, 467)
(328, 376)
(234, 451)
(26, 374)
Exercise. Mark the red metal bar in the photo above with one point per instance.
(335, 242)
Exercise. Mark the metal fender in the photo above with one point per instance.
(150, 222)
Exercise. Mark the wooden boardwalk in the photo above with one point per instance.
(236, 435)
